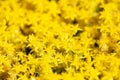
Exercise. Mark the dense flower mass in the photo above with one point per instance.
(59, 39)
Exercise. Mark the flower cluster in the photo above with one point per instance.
(59, 39)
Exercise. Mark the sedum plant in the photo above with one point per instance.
(59, 40)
